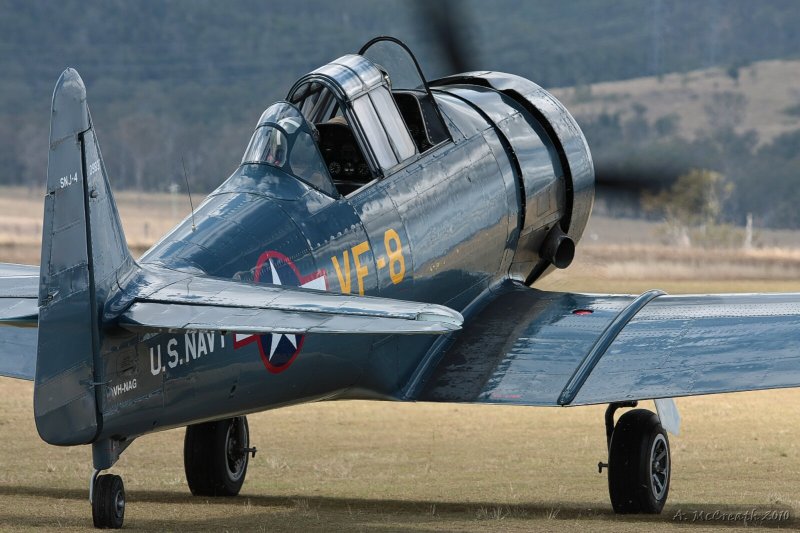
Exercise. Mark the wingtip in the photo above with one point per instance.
(449, 319)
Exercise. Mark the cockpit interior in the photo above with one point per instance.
(343, 155)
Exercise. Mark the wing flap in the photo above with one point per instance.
(573, 349)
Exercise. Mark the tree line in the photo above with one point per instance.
(187, 80)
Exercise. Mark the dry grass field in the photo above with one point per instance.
(369, 466)
(360, 466)
(146, 218)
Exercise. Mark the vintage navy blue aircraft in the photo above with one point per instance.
(378, 241)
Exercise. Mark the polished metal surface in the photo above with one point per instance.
(200, 303)
(537, 170)
(522, 348)
(572, 349)
(18, 354)
(598, 350)
(701, 344)
(563, 132)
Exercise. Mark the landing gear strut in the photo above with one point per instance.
(215, 456)
(638, 461)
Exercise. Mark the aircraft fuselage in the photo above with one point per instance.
(447, 227)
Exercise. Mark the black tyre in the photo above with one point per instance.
(215, 456)
(638, 464)
(108, 502)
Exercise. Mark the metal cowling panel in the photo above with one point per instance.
(537, 167)
(564, 131)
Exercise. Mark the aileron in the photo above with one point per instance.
(687, 345)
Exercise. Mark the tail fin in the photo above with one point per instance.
(84, 253)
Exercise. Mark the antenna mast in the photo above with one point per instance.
(186, 177)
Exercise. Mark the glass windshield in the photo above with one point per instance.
(268, 145)
(283, 139)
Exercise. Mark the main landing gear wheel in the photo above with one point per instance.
(108, 502)
(638, 464)
(215, 456)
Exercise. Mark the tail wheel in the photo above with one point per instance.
(639, 464)
(215, 456)
(108, 502)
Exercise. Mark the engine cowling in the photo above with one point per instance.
(552, 162)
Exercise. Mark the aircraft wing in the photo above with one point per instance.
(531, 347)
(204, 303)
(19, 293)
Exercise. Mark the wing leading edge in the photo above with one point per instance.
(578, 349)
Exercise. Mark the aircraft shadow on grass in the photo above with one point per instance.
(406, 511)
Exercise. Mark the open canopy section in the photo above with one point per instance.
(397, 61)
(409, 89)
(284, 139)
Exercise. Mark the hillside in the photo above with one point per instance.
(186, 80)
(268, 43)
(763, 97)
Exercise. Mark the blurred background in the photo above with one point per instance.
(692, 107)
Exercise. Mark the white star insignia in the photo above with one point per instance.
(276, 337)
(317, 283)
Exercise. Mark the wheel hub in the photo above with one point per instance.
(659, 467)
(119, 503)
(236, 445)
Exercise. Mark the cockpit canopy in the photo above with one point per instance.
(351, 122)
(284, 139)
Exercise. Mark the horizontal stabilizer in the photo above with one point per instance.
(20, 312)
(19, 306)
(18, 352)
(203, 303)
(19, 281)
(19, 293)
(24, 274)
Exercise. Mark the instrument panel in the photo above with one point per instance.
(342, 155)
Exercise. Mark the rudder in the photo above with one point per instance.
(84, 254)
